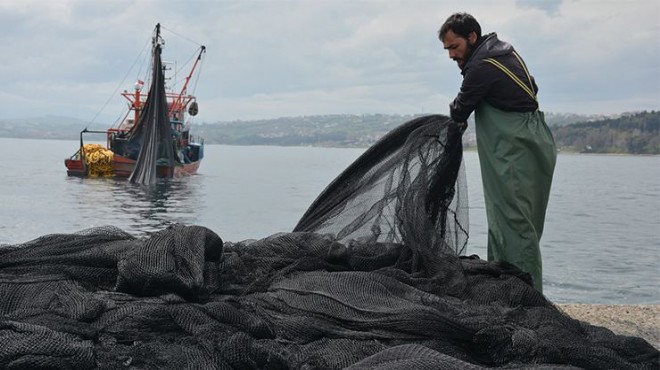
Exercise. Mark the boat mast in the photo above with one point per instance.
(135, 98)
(137, 103)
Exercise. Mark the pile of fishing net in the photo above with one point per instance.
(98, 160)
(372, 277)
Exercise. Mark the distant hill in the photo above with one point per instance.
(49, 127)
(634, 133)
(631, 134)
(563, 119)
(339, 130)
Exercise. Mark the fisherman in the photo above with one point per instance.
(516, 149)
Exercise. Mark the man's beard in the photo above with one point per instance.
(468, 53)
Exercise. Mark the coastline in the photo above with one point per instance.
(638, 320)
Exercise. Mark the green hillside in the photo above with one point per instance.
(635, 133)
(338, 130)
(632, 134)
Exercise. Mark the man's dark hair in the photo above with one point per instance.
(461, 24)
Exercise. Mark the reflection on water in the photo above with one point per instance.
(137, 209)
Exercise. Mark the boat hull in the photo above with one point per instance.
(75, 167)
(123, 167)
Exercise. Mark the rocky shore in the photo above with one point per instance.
(633, 320)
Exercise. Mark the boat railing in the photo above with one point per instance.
(195, 140)
(76, 155)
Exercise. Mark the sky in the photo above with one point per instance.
(280, 58)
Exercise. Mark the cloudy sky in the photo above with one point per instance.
(270, 59)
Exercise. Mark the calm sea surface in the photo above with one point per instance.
(601, 242)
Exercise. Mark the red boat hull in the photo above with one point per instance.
(75, 167)
(123, 167)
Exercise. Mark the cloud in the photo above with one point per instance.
(284, 58)
(549, 6)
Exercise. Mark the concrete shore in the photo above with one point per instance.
(632, 320)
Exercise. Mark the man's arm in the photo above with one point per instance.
(476, 85)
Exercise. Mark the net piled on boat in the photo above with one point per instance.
(98, 160)
(363, 282)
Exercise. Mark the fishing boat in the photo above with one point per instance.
(153, 138)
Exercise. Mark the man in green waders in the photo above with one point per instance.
(517, 152)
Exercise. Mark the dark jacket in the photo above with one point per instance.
(483, 81)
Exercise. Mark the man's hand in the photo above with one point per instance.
(462, 125)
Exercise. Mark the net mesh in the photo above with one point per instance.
(342, 290)
(407, 188)
(153, 133)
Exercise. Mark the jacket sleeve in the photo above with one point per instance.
(477, 83)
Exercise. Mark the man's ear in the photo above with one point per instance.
(472, 38)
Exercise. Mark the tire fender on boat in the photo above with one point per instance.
(193, 109)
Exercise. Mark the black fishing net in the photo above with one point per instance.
(407, 188)
(152, 134)
(364, 282)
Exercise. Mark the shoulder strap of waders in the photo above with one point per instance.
(528, 89)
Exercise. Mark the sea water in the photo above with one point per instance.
(601, 242)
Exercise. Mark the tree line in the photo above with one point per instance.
(634, 133)
(630, 134)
